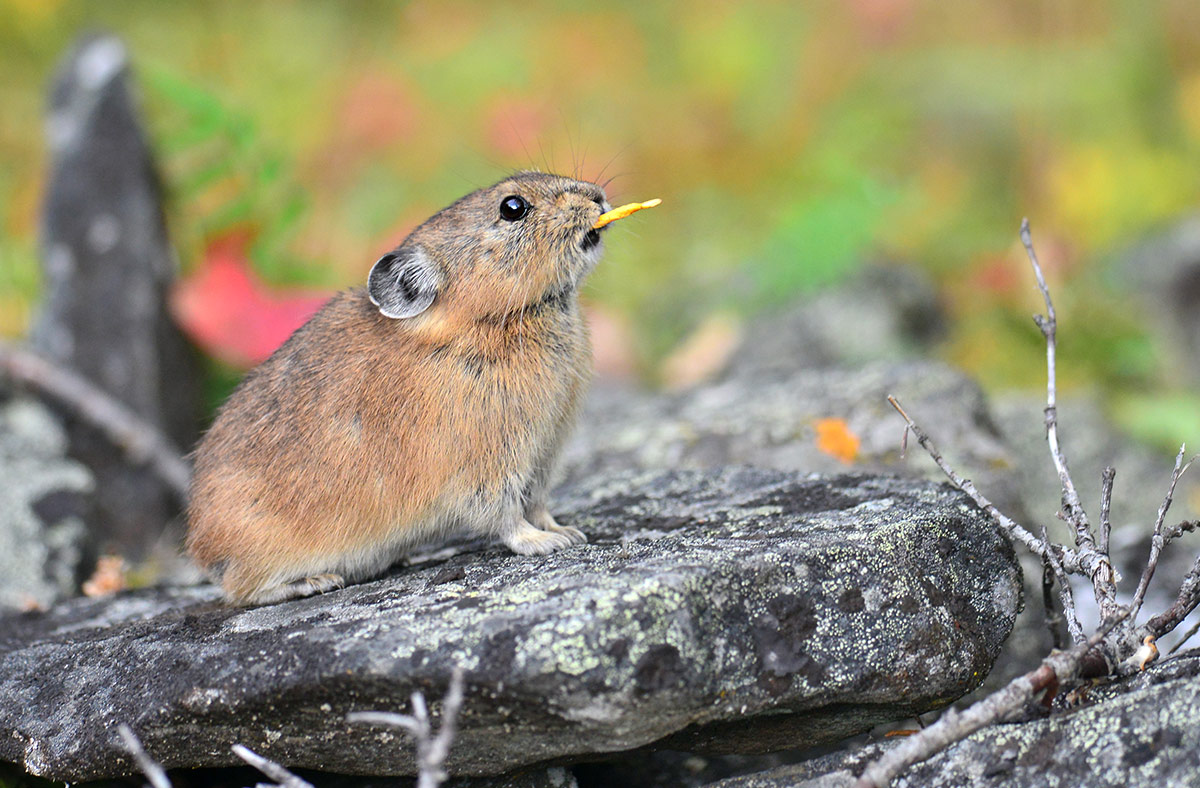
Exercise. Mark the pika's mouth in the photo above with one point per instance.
(591, 239)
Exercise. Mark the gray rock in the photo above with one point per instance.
(106, 268)
(770, 422)
(42, 498)
(883, 313)
(1163, 271)
(1141, 732)
(745, 610)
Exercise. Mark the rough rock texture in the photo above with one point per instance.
(769, 421)
(1141, 732)
(744, 610)
(107, 265)
(43, 496)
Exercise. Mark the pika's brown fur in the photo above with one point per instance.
(365, 435)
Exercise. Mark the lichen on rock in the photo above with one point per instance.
(42, 496)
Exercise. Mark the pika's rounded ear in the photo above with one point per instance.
(403, 283)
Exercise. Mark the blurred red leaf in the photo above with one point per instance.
(378, 112)
(230, 313)
(997, 275)
(882, 21)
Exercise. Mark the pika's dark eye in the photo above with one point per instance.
(513, 208)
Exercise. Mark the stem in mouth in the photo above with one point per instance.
(620, 213)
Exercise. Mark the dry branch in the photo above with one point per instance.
(141, 441)
(1096, 564)
(151, 768)
(953, 726)
(1006, 523)
(1054, 621)
(1119, 646)
(431, 749)
(282, 777)
(1074, 626)
(1186, 637)
(1157, 540)
(1185, 603)
(1107, 476)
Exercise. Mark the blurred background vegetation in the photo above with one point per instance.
(791, 142)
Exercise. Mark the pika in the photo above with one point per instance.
(436, 399)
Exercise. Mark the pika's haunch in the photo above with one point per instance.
(435, 399)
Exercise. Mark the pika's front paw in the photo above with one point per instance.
(527, 540)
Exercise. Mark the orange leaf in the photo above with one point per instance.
(231, 314)
(900, 732)
(835, 439)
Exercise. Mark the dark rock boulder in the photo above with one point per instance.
(1140, 732)
(771, 421)
(745, 610)
(107, 265)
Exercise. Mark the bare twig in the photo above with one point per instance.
(1173, 532)
(1096, 564)
(152, 769)
(282, 777)
(1186, 637)
(1130, 650)
(431, 750)
(954, 726)
(1157, 540)
(1106, 489)
(1066, 594)
(141, 441)
(1185, 603)
(1011, 527)
(1054, 621)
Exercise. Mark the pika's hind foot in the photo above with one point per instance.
(540, 518)
(524, 539)
(305, 586)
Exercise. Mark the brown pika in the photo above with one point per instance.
(435, 400)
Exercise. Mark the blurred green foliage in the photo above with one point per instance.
(790, 142)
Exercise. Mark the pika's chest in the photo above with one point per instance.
(524, 370)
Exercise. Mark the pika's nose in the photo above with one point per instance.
(594, 193)
(589, 191)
